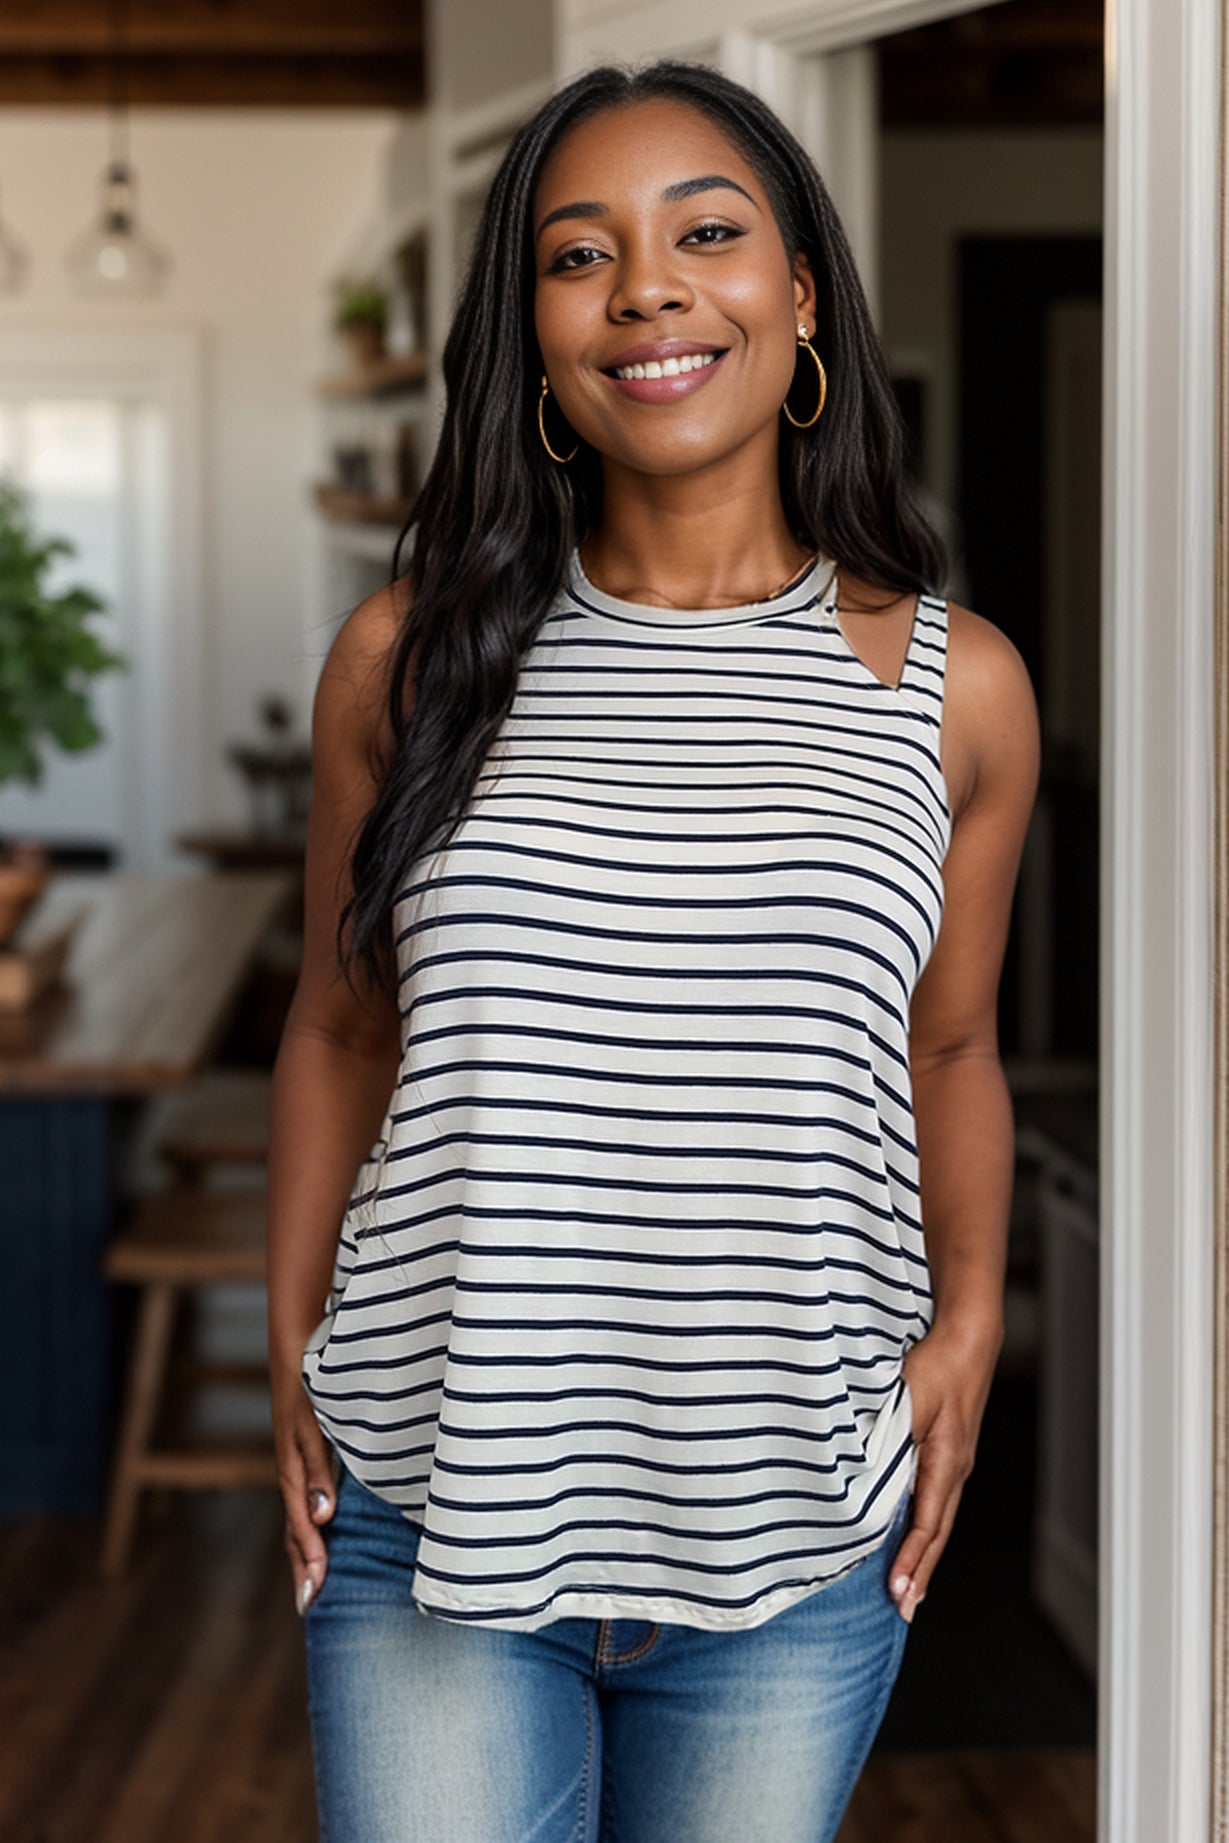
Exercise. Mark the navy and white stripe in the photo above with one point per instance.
(623, 1290)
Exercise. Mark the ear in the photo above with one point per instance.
(805, 294)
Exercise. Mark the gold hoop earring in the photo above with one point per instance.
(805, 342)
(564, 458)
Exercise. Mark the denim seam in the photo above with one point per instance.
(583, 1820)
(629, 1657)
(608, 1831)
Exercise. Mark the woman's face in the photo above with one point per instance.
(626, 266)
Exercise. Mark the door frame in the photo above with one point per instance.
(1158, 1133)
(1163, 1716)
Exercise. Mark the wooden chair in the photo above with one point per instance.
(177, 1242)
(221, 1119)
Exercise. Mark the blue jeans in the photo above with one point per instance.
(587, 1730)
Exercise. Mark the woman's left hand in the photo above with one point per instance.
(949, 1372)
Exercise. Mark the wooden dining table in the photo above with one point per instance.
(156, 967)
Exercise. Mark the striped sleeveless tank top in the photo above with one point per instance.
(623, 1289)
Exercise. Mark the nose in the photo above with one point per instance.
(646, 283)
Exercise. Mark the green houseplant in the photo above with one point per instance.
(47, 657)
(361, 316)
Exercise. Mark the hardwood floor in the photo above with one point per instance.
(167, 1705)
(1024, 1795)
(170, 1706)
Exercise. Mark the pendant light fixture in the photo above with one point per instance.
(14, 261)
(115, 257)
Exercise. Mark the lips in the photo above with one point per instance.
(668, 388)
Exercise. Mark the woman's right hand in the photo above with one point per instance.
(305, 1475)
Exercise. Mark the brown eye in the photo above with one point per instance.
(724, 230)
(561, 262)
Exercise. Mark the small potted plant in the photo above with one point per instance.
(362, 317)
(47, 655)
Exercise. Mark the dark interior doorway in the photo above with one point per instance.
(1010, 291)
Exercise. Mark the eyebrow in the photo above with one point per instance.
(682, 188)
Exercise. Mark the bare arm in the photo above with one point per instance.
(962, 1107)
(335, 1070)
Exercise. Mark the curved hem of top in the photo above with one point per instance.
(658, 1609)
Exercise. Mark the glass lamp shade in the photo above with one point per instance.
(115, 256)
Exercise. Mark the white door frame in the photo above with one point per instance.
(1158, 1141)
(162, 365)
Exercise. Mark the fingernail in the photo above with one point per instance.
(318, 1497)
(900, 1583)
(305, 1593)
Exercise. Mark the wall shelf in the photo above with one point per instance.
(380, 378)
(379, 423)
(364, 509)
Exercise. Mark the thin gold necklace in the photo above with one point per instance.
(772, 593)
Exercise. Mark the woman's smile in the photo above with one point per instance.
(662, 373)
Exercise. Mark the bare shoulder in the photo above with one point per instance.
(352, 691)
(991, 722)
(363, 641)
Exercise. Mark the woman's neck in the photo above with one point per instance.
(715, 558)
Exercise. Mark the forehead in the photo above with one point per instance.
(638, 148)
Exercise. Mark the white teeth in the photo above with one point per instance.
(668, 367)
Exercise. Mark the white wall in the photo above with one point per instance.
(254, 206)
(940, 184)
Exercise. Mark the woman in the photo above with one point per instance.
(623, 1426)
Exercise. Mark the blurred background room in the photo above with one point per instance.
(230, 238)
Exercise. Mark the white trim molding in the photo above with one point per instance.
(1220, 858)
(591, 31)
(1157, 1139)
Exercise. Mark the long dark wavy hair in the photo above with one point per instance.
(495, 518)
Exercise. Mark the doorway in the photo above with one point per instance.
(989, 269)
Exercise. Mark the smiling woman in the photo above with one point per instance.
(665, 823)
(731, 296)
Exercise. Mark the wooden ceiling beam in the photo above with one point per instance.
(395, 81)
(215, 53)
(234, 28)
